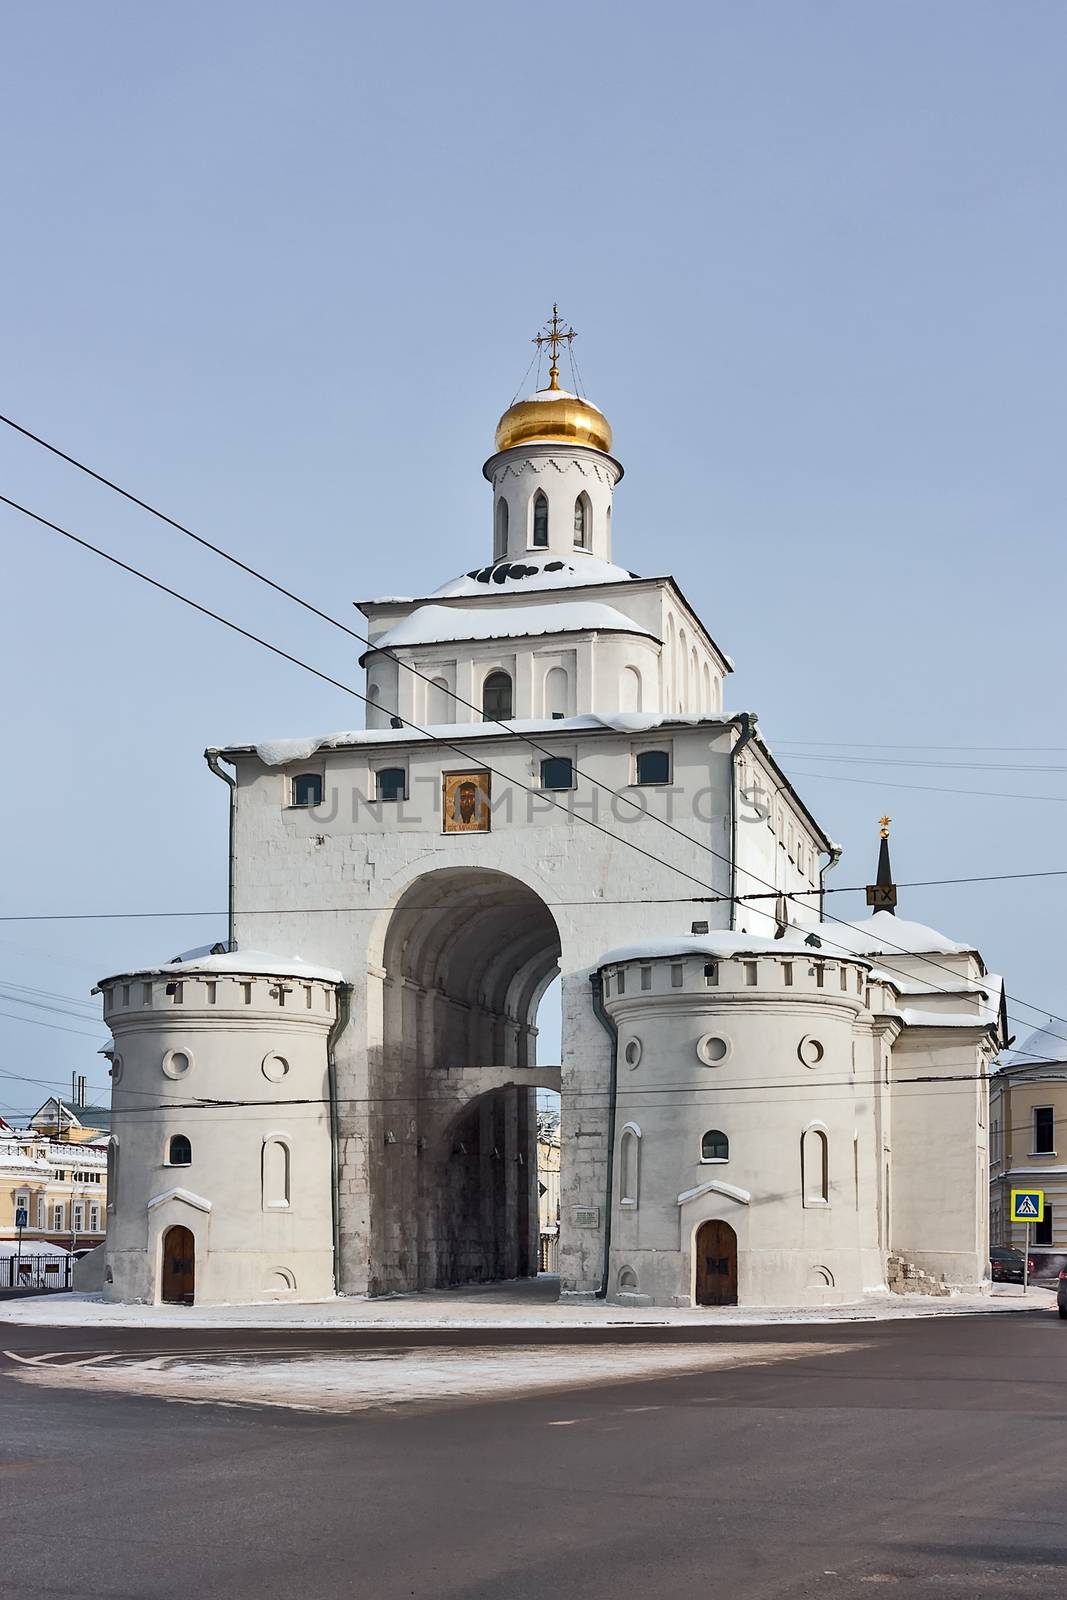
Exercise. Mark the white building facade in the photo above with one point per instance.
(547, 774)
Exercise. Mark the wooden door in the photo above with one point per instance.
(716, 1248)
(179, 1266)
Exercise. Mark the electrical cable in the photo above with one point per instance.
(643, 900)
(225, 555)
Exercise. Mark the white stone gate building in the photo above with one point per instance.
(547, 774)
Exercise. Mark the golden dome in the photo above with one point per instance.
(552, 414)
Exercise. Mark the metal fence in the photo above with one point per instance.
(32, 1271)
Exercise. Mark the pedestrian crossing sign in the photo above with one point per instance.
(1028, 1205)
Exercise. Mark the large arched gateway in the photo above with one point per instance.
(466, 956)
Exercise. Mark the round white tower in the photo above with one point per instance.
(221, 1163)
(748, 1126)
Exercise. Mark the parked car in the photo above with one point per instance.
(1061, 1295)
(1006, 1266)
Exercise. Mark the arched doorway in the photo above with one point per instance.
(179, 1267)
(716, 1264)
(466, 957)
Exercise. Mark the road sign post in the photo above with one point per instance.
(1027, 1207)
(21, 1219)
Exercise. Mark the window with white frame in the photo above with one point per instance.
(714, 1146)
(57, 1217)
(1044, 1131)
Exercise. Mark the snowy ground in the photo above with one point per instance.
(387, 1379)
(513, 1305)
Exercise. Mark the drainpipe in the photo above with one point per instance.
(836, 852)
(747, 720)
(597, 984)
(340, 1023)
(212, 759)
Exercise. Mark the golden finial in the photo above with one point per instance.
(554, 334)
(883, 823)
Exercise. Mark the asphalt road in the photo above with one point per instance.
(929, 1458)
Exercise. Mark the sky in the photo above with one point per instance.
(276, 269)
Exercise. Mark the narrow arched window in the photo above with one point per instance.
(500, 542)
(496, 697)
(112, 1180)
(179, 1151)
(630, 690)
(540, 519)
(276, 1174)
(440, 701)
(582, 521)
(815, 1167)
(629, 1166)
(557, 692)
(714, 1146)
(307, 789)
(653, 766)
(390, 783)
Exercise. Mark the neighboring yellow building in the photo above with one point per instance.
(56, 1171)
(548, 1189)
(1028, 1144)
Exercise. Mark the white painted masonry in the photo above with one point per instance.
(408, 1110)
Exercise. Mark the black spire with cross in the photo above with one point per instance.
(882, 894)
(554, 334)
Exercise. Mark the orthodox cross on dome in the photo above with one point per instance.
(882, 894)
(554, 334)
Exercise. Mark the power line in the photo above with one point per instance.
(632, 900)
(324, 616)
(35, 1022)
(928, 788)
(47, 994)
(799, 754)
(336, 683)
(346, 688)
(881, 744)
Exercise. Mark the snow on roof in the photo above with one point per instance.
(13, 1158)
(884, 934)
(239, 962)
(31, 1247)
(280, 752)
(432, 624)
(1047, 1043)
(881, 934)
(545, 572)
(720, 943)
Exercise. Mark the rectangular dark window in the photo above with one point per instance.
(391, 783)
(1044, 1131)
(1042, 1233)
(654, 766)
(557, 773)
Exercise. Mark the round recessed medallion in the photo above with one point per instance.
(713, 1050)
(810, 1051)
(275, 1067)
(177, 1063)
(632, 1051)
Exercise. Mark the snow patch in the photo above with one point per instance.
(439, 624)
(285, 752)
(240, 962)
